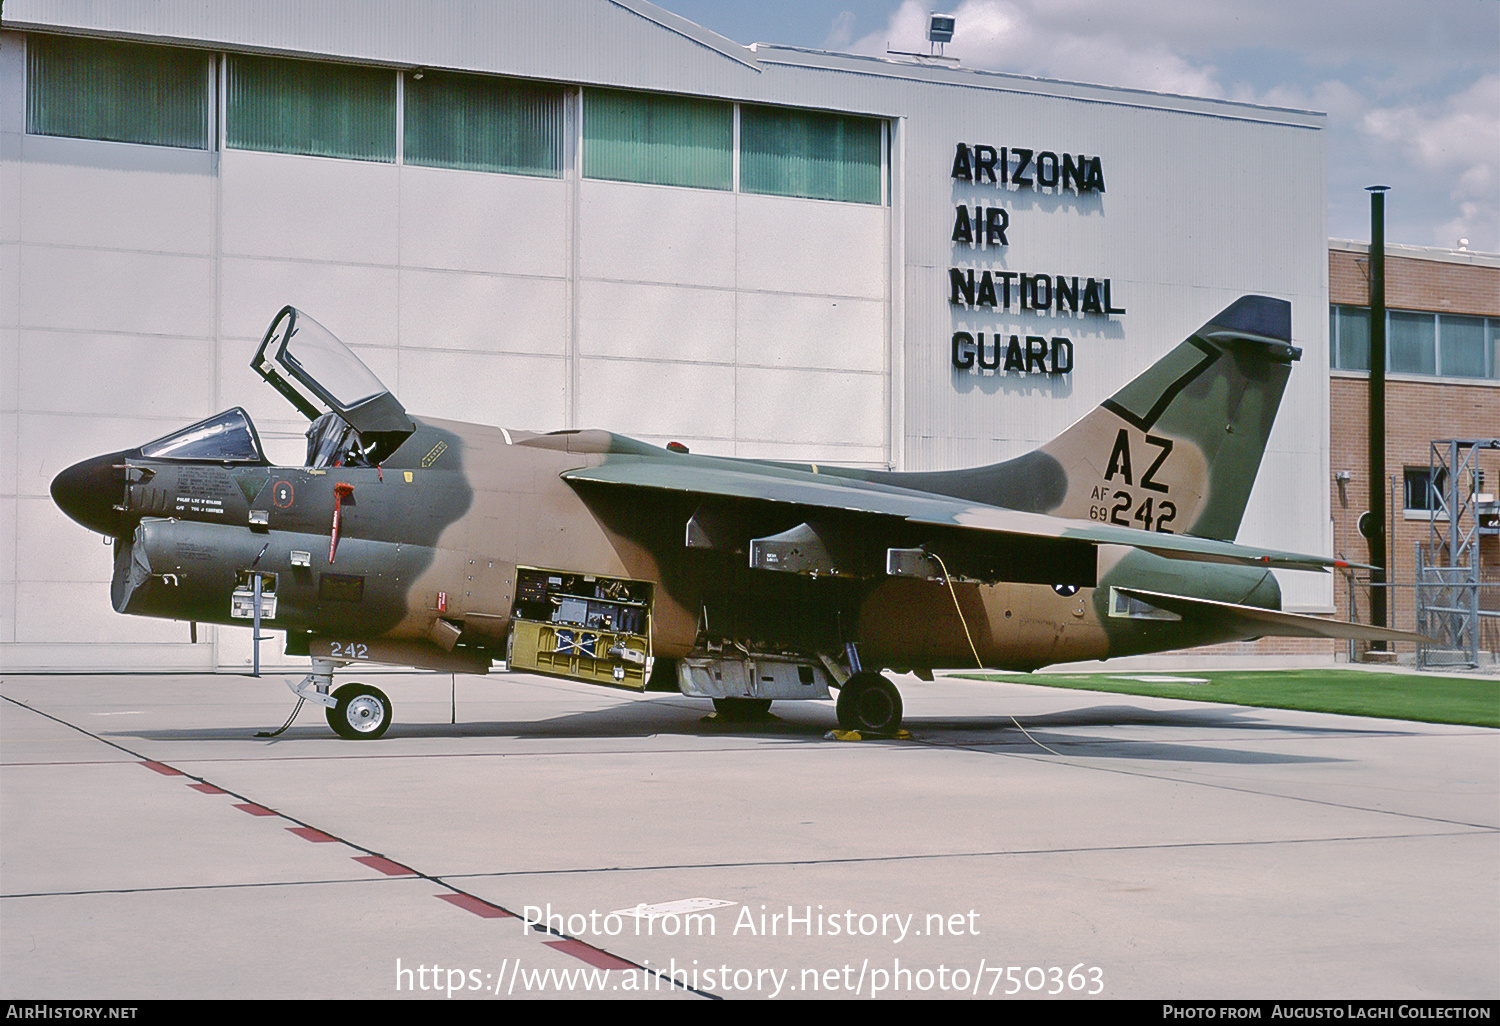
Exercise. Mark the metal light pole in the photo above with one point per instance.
(1377, 535)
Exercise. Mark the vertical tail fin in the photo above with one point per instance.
(1176, 450)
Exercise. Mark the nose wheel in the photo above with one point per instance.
(869, 703)
(360, 712)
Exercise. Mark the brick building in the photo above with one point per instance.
(1443, 382)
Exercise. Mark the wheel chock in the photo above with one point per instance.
(855, 735)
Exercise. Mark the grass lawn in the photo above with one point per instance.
(1398, 696)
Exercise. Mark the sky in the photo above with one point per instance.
(1411, 87)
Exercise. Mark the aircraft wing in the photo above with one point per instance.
(1272, 621)
(763, 482)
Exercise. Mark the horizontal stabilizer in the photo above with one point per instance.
(1271, 622)
(1244, 555)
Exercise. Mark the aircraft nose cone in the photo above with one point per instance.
(89, 491)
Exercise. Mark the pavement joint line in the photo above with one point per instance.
(393, 870)
(917, 856)
(398, 755)
(580, 870)
(917, 742)
(169, 888)
(1200, 782)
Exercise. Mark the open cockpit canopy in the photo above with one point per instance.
(353, 413)
(306, 362)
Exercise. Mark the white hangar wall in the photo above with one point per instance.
(135, 280)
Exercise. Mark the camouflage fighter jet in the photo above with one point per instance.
(595, 557)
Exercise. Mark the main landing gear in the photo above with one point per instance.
(869, 703)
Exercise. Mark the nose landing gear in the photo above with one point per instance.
(356, 712)
(361, 712)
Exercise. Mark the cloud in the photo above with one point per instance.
(1453, 145)
(1458, 135)
(1411, 93)
(841, 32)
(1019, 37)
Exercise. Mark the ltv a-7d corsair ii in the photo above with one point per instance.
(595, 557)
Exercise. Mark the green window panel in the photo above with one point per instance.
(1410, 338)
(325, 110)
(120, 92)
(1461, 346)
(1350, 335)
(660, 140)
(786, 152)
(1446, 345)
(484, 124)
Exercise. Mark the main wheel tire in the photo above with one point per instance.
(870, 704)
(740, 709)
(362, 714)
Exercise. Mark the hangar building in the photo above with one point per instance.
(579, 213)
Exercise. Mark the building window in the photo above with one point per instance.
(660, 140)
(786, 152)
(1462, 350)
(1442, 345)
(1410, 339)
(1349, 337)
(119, 92)
(483, 124)
(325, 110)
(1421, 494)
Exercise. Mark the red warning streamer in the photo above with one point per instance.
(341, 491)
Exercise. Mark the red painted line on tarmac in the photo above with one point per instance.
(479, 907)
(311, 834)
(256, 810)
(162, 768)
(385, 865)
(208, 789)
(590, 954)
